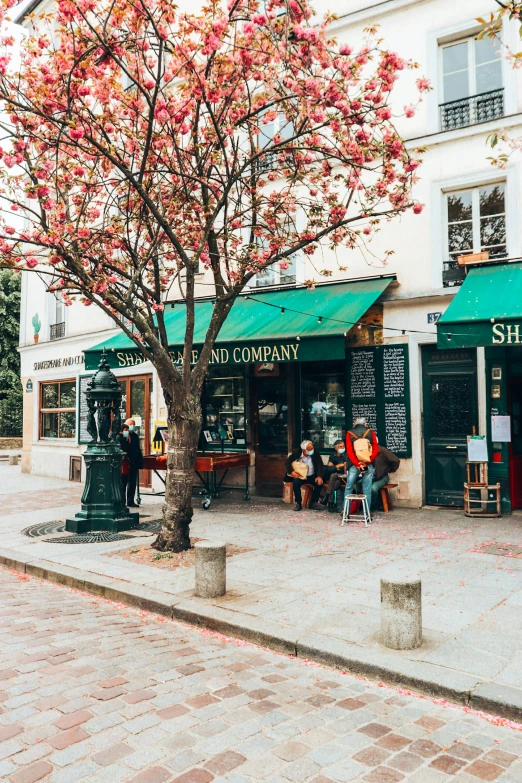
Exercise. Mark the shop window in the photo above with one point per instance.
(224, 407)
(476, 222)
(323, 413)
(58, 410)
(472, 83)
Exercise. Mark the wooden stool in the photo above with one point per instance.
(306, 494)
(385, 498)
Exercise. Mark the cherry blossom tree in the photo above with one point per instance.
(143, 142)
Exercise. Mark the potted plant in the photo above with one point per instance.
(37, 325)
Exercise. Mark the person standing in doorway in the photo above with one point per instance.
(361, 448)
(130, 445)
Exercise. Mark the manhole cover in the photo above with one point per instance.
(89, 538)
(502, 549)
(44, 529)
(154, 526)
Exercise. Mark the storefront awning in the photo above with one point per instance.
(487, 309)
(274, 326)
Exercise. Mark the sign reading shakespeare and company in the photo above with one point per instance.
(476, 333)
(238, 355)
(506, 334)
(246, 353)
(55, 364)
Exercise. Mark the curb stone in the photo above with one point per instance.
(426, 677)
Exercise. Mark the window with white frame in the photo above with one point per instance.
(476, 221)
(278, 126)
(472, 88)
(274, 275)
(56, 317)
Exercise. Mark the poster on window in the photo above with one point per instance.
(378, 390)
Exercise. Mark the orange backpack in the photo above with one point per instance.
(362, 446)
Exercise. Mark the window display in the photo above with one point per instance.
(58, 410)
(224, 406)
(323, 413)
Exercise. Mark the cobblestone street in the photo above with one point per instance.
(95, 691)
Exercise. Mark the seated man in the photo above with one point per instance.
(311, 459)
(386, 462)
(335, 469)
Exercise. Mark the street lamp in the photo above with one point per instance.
(102, 500)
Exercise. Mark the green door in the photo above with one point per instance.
(450, 413)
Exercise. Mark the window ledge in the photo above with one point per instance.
(62, 442)
(480, 128)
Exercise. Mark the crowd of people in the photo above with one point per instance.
(357, 463)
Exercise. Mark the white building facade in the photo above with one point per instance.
(469, 207)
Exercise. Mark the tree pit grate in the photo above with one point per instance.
(89, 538)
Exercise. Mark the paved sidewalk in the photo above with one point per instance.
(316, 585)
(98, 692)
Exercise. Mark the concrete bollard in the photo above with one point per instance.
(13, 459)
(401, 614)
(211, 569)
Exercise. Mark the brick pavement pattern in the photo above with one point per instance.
(94, 691)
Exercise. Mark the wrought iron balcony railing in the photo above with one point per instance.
(469, 111)
(57, 330)
(452, 273)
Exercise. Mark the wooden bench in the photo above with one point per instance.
(385, 498)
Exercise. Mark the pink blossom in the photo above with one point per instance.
(417, 208)
(345, 49)
(409, 111)
(31, 262)
(423, 85)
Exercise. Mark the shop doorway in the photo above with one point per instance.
(450, 413)
(136, 404)
(515, 447)
(273, 427)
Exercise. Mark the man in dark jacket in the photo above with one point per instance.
(358, 468)
(315, 466)
(130, 444)
(386, 462)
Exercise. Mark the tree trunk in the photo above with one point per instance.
(184, 428)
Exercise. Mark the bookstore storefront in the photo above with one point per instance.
(284, 369)
(479, 318)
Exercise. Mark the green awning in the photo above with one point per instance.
(487, 309)
(257, 330)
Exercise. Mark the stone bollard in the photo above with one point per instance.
(401, 614)
(13, 459)
(211, 569)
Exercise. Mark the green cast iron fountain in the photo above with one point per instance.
(103, 507)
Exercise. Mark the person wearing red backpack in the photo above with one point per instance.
(362, 448)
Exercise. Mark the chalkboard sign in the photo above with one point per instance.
(83, 435)
(379, 391)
